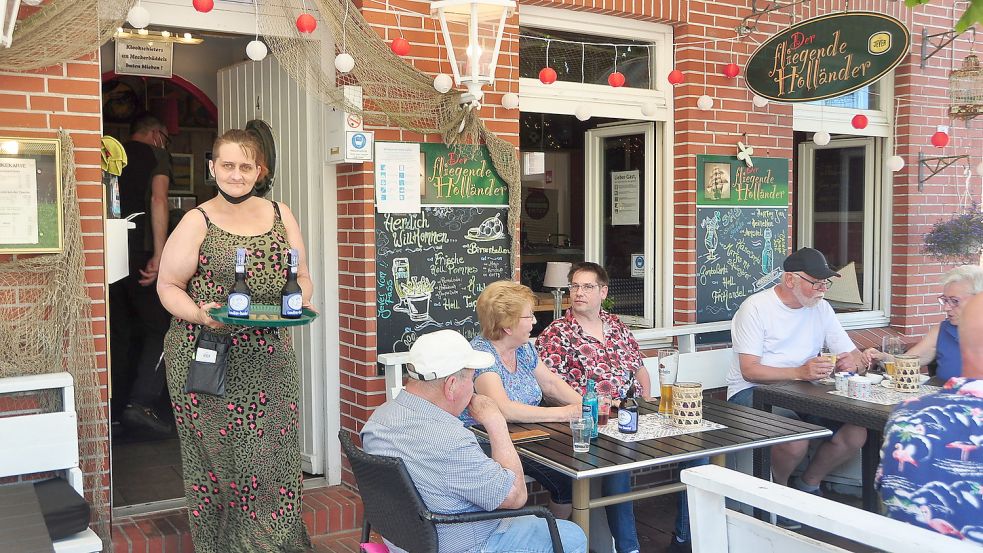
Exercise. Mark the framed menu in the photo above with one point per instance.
(30, 195)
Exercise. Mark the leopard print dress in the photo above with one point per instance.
(241, 452)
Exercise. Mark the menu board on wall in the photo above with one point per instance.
(742, 231)
(431, 265)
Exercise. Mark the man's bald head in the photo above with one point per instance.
(971, 337)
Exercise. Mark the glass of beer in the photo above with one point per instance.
(668, 370)
(891, 346)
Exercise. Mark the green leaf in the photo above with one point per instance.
(972, 16)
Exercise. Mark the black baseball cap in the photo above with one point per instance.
(809, 261)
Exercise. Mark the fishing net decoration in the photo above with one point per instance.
(47, 328)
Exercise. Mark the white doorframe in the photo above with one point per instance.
(594, 202)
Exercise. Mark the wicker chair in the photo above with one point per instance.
(395, 509)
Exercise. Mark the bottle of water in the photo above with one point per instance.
(589, 407)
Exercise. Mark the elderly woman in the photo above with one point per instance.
(941, 343)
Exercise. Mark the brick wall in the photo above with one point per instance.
(37, 104)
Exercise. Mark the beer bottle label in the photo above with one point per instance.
(238, 305)
(293, 305)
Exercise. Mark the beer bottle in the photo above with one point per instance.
(291, 300)
(240, 297)
(628, 414)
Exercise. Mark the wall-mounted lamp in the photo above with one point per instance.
(472, 31)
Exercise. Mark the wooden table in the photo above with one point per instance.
(746, 429)
(814, 399)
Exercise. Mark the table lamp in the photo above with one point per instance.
(556, 278)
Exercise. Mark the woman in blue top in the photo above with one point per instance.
(941, 343)
(518, 381)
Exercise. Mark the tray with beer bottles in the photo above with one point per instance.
(262, 315)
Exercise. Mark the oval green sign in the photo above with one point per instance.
(827, 56)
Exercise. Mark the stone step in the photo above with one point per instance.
(333, 516)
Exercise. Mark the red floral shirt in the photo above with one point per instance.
(577, 356)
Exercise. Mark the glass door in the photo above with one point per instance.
(620, 215)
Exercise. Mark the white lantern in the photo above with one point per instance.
(821, 138)
(510, 100)
(894, 163)
(256, 50)
(472, 31)
(344, 62)
(759, 101)
(443, 83)
(138, 16)
(582, 112)
(649, 109)
(704, 102)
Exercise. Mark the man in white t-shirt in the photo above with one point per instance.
(778, 334)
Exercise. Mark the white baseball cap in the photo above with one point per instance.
(443, 353)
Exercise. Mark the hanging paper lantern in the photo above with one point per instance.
(256, 50)
(443, 83)
(940, 139)
(400, 46)
(859, 121)
(731, 70)
(582, 112)
(759, 101)
(547, 75)
(894, 163)
(138, 16)
(616, 79)
(344, 62)
(821, 138)
(306, 23)
(676, 77)
(704, 102)
(510, 100)
(649, 109)
(204, 6)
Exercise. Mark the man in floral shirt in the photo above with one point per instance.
(589, 343)
(931, 472)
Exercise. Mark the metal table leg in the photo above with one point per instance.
(869, 459)
(581, 505)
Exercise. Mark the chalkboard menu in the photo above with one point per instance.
(431, 265)
(742, 231)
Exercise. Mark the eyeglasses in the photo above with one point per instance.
(951, 301)
(165, 140)
(245, 169)
(585, 287)
(817, 285)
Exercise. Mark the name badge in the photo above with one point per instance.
(206, 355)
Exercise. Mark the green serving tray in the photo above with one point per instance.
(261, 315)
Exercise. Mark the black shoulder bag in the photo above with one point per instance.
(206, 373)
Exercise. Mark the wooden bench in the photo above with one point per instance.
(716, 529)
(46, 442)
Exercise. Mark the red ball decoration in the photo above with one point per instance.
(204, 6)
(676, 77)
(547, 75)
(940, 139)
(400, 46)
(306, 23)
(859, 121)
(616, 79)
(731, 70)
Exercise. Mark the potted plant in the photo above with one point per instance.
(958, 239)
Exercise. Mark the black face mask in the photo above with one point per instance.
(235, 199)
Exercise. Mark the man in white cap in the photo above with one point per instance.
(448, 467)
(778, 335)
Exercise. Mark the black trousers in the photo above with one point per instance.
(138, 323)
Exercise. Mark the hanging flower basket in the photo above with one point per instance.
(958, 239)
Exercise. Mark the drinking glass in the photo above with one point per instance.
(891, 346)
(603, 411)
(668, 370)
(829, 355)
(580, 431)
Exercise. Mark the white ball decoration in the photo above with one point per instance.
(649, 109)
(704, 102)
(979, 169)
(344, 62)
(821, 138)
(443, 83)
(895, 163)
(759, 101)
(510, 100)
(583, 112)
(256, 50)
(138, 16)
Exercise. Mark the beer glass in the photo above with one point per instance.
(668, 370)
(891, 346)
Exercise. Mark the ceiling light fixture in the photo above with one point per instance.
(157, 36)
